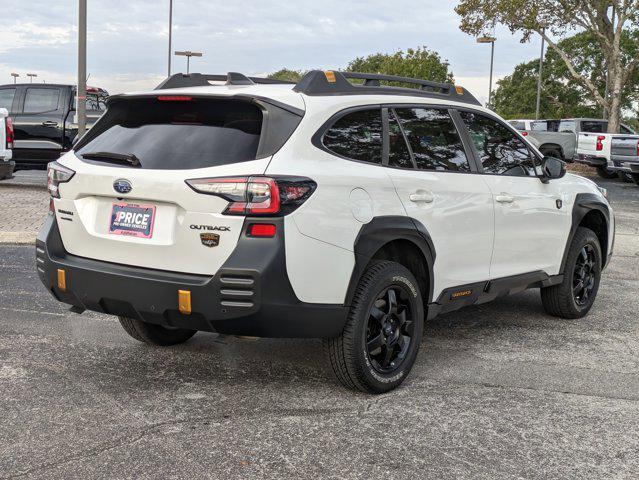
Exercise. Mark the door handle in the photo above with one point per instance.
(49, 123)
(421, 197)
(504, 198)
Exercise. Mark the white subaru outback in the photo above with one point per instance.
(344, 207)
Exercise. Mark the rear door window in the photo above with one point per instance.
(41, 100)
(398, 154)
(173, 135)
(357, 136)
(6, 98)
(433, 139)
(567, 126)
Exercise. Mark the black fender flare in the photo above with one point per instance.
(379, 232)
(584, 204)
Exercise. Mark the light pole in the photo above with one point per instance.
(82, 68)
(31, 76)
(492, 41)
(188, 54)
(541, 69)
(15, 76)
(170, 32)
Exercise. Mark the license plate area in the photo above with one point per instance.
(132, 219)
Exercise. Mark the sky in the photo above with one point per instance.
(128, 39)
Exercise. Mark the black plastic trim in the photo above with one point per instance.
(381, 231)
(183, 80)
(249, 295)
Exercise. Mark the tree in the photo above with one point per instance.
(287, 75)
(516, 94)
(415, 63)
(608, 21)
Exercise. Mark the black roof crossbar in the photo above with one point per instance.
(317, 83)
(182, 80)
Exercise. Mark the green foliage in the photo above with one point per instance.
(287, 75)
(562, 97)
(414, 63)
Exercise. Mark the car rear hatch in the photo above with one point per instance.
(129, 202)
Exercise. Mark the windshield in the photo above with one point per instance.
(183, 134)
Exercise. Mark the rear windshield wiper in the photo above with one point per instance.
(126, 158)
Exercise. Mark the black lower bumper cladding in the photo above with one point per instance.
(250, 295)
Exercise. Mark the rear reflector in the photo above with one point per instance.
(184, 302)
(264, 230)
(62, 280)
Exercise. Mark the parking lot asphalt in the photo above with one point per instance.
(499, 390)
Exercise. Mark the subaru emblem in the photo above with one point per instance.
(122, 186)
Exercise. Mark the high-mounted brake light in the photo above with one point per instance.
(174, 98)
(257, 195)
(600, 139)
(9, 132)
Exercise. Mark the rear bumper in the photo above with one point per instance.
(625, 164)
(6, 168)
(250, 295)
(591, 160)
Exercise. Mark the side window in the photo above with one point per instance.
(6, 98)
(433, 138)
(41, 100)
(357, 136)
(567, 126)
(398, 154)
(594, 127)
(500, 150)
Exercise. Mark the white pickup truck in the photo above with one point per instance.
(6, 145)
(611, 153)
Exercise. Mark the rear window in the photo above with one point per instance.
(518, 125)
(176, 135)
(594, 127)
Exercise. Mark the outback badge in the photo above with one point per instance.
(210, 239)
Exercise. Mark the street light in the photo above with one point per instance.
(15, 76)
(541, 68)
(81, 104)
(170, 32)
(31, 76)
(188, 54)
(492, 41)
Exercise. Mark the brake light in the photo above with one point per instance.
(262, 230)
(174, 98)
(524, 134)
(257, 195)
(9, 132)
(57, 174)
(600, 139)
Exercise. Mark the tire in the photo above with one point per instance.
(155, 334)
(574, 297)
(635, 177)
(553, 152)
(603, 172)
(625, 177)
(378, 346)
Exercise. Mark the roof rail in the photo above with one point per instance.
(181, 80)
(318, 83)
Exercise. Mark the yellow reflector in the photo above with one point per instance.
(184, 302)
(459, 90)
(62, 280)
(330, 76)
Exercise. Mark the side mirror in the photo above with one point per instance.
(552, 168)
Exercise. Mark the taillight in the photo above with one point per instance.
(638, 148)
(9, 132)
(57, 174)
(524, 133)
(257, 195)
(600, 139)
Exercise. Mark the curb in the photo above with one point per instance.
(17, 238)
(22, 184)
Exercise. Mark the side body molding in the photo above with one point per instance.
(379, 232)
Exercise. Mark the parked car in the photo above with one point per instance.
(43, 119)
(6, 144)
(559, 138)
(348, 212)
(624, 156)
